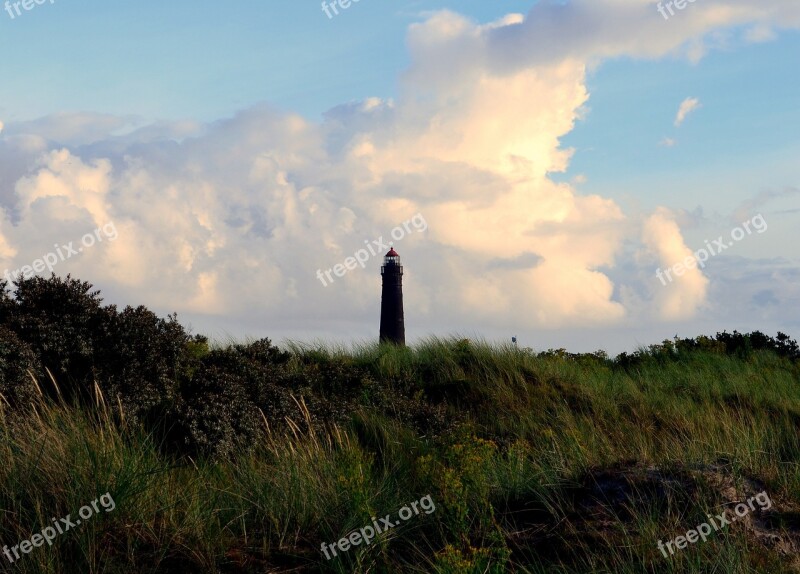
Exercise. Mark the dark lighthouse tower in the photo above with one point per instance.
(393, 328)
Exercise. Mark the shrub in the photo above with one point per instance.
(59, 319)
(134, 356)
(737, 344)
(214, 416)
(743, 345)
(462, 481)
(140, 359)
(216, 410)
(255, 363)
(261, 370)
(18, 367)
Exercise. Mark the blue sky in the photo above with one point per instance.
(241, 147)
(749, 117)
(202, 60)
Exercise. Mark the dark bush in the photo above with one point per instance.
(261, 368)
(18, 367)
(339, 388)
(134, 356)
(59, 319)
(137, 359)
(427, 419)
(214, 417)
(599, 357)
(140, 359)
(335, 388)
(743, 345)
(737, 344)
(254, 363)
(219, 411)
(337, 377)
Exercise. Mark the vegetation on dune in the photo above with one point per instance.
(245, 459)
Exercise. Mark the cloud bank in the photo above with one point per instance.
(234, 218)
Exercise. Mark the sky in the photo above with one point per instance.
(585, 174)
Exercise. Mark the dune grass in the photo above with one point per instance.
(552, 464)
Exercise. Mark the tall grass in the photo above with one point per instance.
(553, 464)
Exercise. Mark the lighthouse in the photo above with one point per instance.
(393, 329)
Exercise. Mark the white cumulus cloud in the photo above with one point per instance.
(234, 218)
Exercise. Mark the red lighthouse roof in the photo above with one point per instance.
(392, 253)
